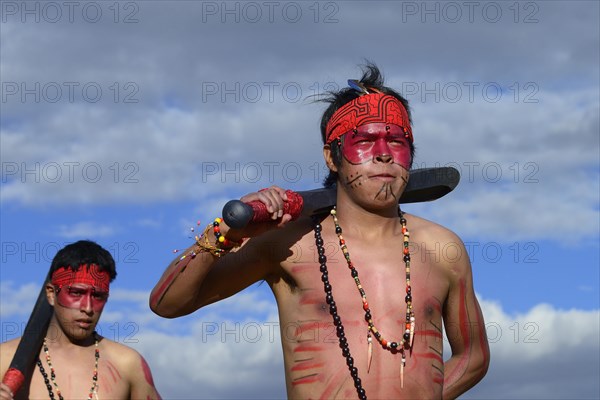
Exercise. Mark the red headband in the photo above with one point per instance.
(366, 109)
(65, 276)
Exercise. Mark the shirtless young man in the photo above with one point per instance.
(363, 294)
(78, 290)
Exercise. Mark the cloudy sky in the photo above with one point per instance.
(127, 122)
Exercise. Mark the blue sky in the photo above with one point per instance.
(125, 123)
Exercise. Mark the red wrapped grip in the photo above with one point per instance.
(13, 379)
(292, 206)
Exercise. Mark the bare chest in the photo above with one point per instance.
(379, 275)
(314, 361)
(74, 379)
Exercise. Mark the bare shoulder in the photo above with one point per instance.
(440, 244)
(132, 366)
(429, 230)
(123, 357)
(7, 351)
(10, 346)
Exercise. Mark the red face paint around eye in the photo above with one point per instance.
(80, 296)
(373, 142)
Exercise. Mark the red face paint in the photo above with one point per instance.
(377, 141)
(86, 288)
(80, 296)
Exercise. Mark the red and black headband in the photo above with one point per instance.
(368, 108)
(86, 274)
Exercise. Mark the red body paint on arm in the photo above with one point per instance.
(157, 296)
(147, 372)
(461, 366)
(471, 362)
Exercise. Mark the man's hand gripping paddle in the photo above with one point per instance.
(23, 363)
(424, 184)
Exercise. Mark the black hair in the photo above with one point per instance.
(371, 78)
(82, 252)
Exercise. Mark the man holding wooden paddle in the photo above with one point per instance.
(74, 361)
(364, 290)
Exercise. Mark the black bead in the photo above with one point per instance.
(406, 257)
(394, 345)
(406, 336)
(343, 342)
(408, 298)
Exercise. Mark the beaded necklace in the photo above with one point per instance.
(393, 346)
(53, 375)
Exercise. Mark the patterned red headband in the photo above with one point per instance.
(65, 276)
(366, 109)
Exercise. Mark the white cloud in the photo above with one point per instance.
(544, 353)
(181, 141)
(84, 229)
(17, 300)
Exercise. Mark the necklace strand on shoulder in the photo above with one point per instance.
(409, 328)
(93, 390)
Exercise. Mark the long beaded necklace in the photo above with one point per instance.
(393, 346)
(53, 375)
